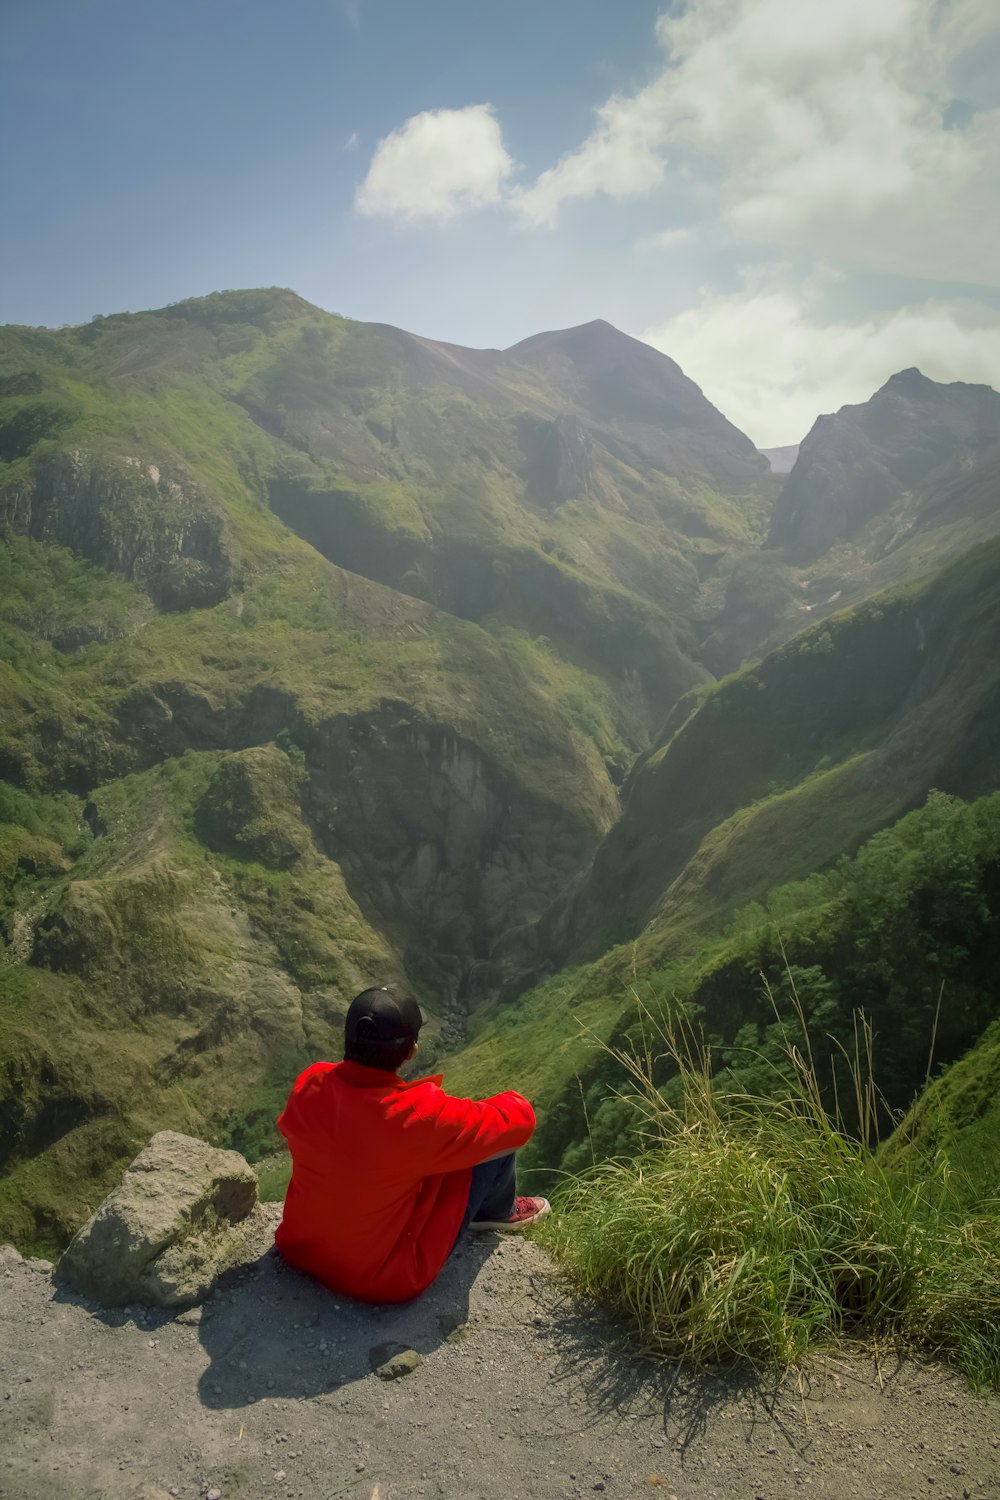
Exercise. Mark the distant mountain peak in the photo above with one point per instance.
(870, 461)
(594, 339)
(910, 382)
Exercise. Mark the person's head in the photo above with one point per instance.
(381, 1028)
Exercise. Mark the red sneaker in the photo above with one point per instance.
(526, 1211)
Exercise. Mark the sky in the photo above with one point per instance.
(791, 198)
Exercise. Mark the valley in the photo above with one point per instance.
(331, 654)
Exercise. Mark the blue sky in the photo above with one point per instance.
(792, 198)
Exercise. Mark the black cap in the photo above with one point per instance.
(388, 1014)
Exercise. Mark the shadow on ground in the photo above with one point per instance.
(601, 1355)
(272, 1332)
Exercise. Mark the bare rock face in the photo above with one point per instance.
(155, 527)
(177, 1219)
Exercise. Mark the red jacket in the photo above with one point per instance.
(381, 1172)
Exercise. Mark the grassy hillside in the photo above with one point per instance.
(904, 931)
(356, 728)
(579, 489)
(237, 781)
(956, 1117)
(775, 771)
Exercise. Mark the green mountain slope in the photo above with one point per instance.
(187, 793)
(323, 648)
(778, 769)
(905, 932)
(576, 487)
(957, 1116)
(774, 774)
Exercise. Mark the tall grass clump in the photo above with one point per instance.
(755, 1227)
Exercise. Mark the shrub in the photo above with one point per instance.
(755, 1227)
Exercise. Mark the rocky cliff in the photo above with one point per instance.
(882, 466)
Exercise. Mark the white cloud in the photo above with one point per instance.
(436, 165)
(771, 366)
(623, 157)
(819, 124)
(353, 141)
(667, 238)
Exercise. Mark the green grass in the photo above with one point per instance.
(754, 1227)
(957, 1115)
(273, 1176)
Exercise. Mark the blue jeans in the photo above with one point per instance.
(492, 1191)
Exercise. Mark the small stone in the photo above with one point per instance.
(279, 1474)
(403, 1363)
(213, 1495)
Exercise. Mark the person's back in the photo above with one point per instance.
(382, 1170)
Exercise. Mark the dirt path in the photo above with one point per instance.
(267, 1394)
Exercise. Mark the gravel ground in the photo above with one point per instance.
(267, 1393)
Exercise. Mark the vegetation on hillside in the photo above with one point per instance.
(754, 1225)
(498, 488)
(778, 769)
(956, 1116)
(905, 931)
(323, 649)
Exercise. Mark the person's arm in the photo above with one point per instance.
(447, 1134)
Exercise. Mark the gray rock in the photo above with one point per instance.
(403, 1363)
(168, 1229)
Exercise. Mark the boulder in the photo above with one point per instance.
(179, 1217)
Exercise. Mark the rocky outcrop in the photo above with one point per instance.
(440, 848)
(175, 1222)
(156, 528)
(558, 453)
(249, 809)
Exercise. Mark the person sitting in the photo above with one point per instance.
(386, 1174)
